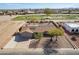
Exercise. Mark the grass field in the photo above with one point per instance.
(39, 17)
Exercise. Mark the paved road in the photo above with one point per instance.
(6, 17)
(8, 29)
(39, 51)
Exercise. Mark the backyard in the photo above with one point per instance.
(44, 41)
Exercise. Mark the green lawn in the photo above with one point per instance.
(20, 18)
(23, 18)
(39, 17)
(71, 17)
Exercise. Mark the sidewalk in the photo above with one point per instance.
(11, 44)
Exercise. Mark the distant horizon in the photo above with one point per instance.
(38, 5)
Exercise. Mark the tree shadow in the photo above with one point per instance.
(48, 49)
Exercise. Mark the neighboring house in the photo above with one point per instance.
(1, 13)
(64, 11)
(75, 12)
(72, 27)
(30, 12)
(39, 11)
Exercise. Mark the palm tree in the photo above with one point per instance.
(55, 32)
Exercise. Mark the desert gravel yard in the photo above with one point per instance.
(61, 43)
(41, 27)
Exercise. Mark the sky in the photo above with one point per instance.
(37, 5)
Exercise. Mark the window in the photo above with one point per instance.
(72, 30)
(76, 30)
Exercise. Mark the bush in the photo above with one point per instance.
(73, 38)
(38, 35)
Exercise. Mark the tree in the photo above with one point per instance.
(55, 32)
(38, 35)
(69, 11)
(33, 19)
(48, 11)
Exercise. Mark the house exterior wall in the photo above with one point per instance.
(71, 29)
(67, 27)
